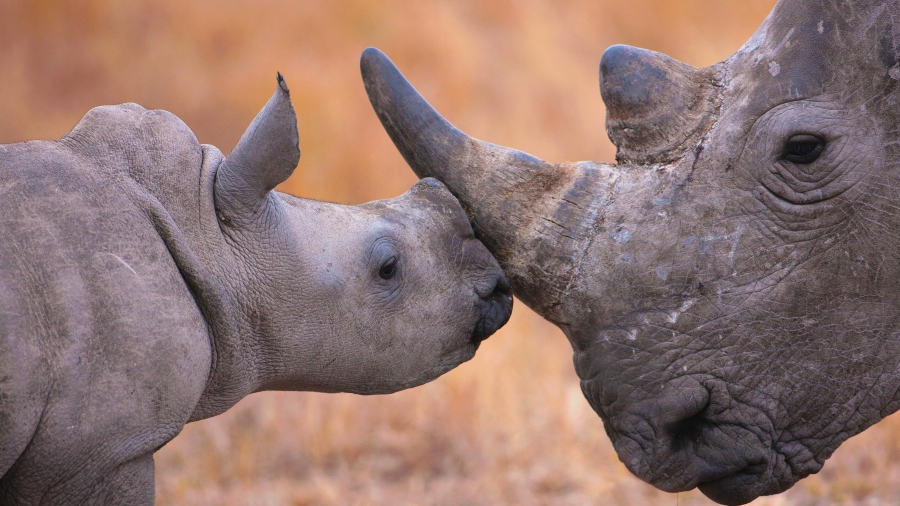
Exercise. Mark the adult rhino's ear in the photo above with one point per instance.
(266, 155)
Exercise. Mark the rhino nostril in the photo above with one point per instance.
(685, 421)
(491, 289)
(688, 430)
(501, 295)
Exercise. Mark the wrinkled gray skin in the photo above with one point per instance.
(733, 309)
(147, 281)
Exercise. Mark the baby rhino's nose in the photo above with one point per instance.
(494, 309)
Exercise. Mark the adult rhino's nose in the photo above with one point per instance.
(494, 309)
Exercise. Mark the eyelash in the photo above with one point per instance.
(803, 149)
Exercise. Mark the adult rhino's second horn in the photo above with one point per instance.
(541, 216)
(657, 108)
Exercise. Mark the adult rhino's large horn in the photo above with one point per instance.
(539, 214)
(657, 108)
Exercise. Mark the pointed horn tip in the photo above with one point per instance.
(426, 140)
(380, 74)
(371, 59)
(372, 65)
(390, 92)
(619, 56)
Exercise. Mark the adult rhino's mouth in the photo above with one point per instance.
(738, 488)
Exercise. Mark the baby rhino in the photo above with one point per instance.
(147, 281)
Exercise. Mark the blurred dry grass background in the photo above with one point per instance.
(509, 427)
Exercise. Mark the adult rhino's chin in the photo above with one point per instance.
(738, 488)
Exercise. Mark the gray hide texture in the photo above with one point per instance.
(147, 281)
(731, 288)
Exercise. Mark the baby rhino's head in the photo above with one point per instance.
(367, 299)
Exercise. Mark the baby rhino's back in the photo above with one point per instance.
(103, 352)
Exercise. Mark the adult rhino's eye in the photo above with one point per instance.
(389, 268)
(802, 149)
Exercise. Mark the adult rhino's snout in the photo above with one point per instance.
(494, 308)
(689, 436)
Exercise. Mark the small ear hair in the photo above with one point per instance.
(266, 155)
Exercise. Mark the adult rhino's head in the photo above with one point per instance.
(730, 288)
(367, 299)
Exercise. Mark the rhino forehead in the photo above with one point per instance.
(847, 49)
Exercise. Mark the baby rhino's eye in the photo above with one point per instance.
(389, 268)
(803, 149)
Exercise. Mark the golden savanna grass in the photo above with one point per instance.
(509, 427)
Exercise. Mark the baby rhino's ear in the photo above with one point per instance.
(266, 155)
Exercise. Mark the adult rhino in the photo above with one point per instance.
(731, 288)
(147, 281)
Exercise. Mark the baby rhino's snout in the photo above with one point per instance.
(494, 296)
(494, 308)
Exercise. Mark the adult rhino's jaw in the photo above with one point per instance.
(547, 211)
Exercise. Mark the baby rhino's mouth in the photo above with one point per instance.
(493, 309)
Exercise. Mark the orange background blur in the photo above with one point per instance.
(509, 427)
